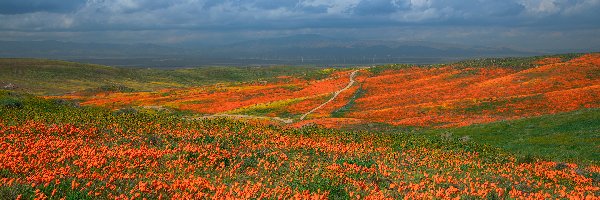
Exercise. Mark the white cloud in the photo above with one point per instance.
(582, 7)
(420, 4)
(540, 8)
(335, 7)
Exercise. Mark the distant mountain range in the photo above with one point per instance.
(68, 50)
(320, 46)
(291, 50)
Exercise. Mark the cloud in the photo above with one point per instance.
(277, 14)
(245, 18)
(376, 7)
(12, 7)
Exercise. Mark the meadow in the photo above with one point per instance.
(55, 149)
(52, 77)
(510, 128)
(450, 95)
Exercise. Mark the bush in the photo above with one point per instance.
(338, 193)
(66, 103)
(560, 166)
(526, 159)
(126, 111)
(11, 103)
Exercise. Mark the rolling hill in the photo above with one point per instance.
(56, 149)
(497, 128)
(44, 77)
(447, 95)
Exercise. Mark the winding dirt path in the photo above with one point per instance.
(352, 75)
(283, 120)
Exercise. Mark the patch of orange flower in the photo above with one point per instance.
(120, 161)
(221, 98)
(415, 96)
(451, 96)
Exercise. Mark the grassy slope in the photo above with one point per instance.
(19, 109)
(517, 63)
(51, 77)
(459, 95)
(56, 77)
(572, 136)
(430, 163)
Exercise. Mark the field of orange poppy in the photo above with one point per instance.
(55, 149)
(479, 129)
(448, 95)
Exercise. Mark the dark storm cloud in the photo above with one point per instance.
(11, 7)
(264, 17)
(277, 14)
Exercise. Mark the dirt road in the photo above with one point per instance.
(352, 75)
(285, 120)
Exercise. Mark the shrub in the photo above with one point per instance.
(338, 193)
(465, 138)
(11, 103)
(560, 166)
(526, 159)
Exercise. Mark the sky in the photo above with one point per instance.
(521, 24)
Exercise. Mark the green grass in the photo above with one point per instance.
(563, 137)
(263, 109)
(517, 63)
(573, 136)
(382, 68)
(499, 103)
(51, 77)
(28, 192)
(346, 108)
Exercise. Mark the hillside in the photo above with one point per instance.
(56, 149)
(448, 95)
(50, 77)
(572, 136)
(463, 95)
(497, 128)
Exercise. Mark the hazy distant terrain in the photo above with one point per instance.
(292, 50)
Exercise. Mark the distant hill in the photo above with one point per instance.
(71, 50)
(317, 46)
(40, 76)
(290, 50)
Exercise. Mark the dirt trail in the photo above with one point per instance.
(283, 120)
(352, 75)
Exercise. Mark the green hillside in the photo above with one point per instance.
(572, 136)
(51, 77)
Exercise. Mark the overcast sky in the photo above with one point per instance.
(526, 24)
